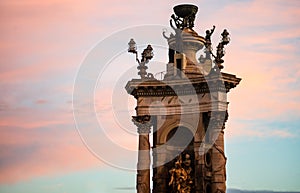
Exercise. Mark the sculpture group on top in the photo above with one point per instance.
(182, 22)
(185, 20)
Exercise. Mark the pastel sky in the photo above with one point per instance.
(44, 44)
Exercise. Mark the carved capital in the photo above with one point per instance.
(218, 119)
(143, 123)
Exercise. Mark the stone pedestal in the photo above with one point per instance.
(202, 112)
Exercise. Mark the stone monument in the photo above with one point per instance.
(186, 112)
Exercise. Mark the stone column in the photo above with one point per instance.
(199, 163)
(160, 183)
(143, 124)
(218, 120)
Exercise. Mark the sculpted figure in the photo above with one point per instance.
(208, 38)
(191, 19)
(181, 180)
(176, 173)
(178, 22)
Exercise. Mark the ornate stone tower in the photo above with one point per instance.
(187, 111)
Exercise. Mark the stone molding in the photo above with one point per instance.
(214, 83)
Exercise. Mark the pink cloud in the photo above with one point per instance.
(33, 135)
(37, 41)
(41, 101)
(43, 41)
(39, 143)
(267, 62)
(52, 156)
(259, 13)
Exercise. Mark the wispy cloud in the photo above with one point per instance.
(261, 128)
(59, 150)
(125, 188)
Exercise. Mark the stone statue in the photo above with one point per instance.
(191, 19)
(220, 48)
(208, 38)
(178, 32)
(178, 22)
(175, 176)
(181, 180)
(220, 54)
(187, 164)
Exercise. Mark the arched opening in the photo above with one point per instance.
(208, 188)
(180, 137)
(208, 159)
(180, 141)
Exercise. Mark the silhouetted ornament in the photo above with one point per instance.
(132, 46)
(185, 10)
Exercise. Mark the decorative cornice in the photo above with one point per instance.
(200, 85)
